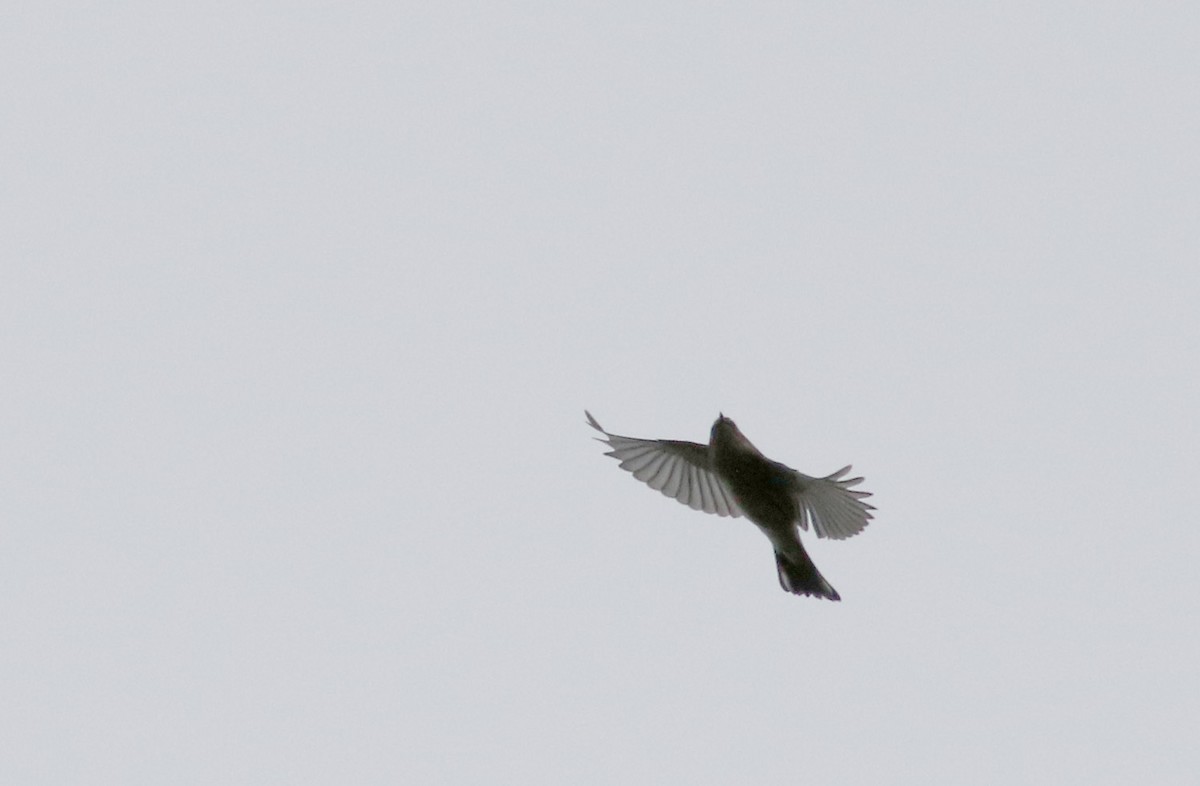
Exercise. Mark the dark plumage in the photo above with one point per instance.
(730, 477)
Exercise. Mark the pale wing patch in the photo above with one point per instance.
(835, 509)
(677, 469)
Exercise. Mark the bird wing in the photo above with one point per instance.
(678, 469)
(834, 508)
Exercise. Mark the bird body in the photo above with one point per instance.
(731, 477)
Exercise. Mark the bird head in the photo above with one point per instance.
(726, 434)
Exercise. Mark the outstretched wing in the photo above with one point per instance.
(830, 503)
(677, 469)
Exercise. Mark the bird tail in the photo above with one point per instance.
(800, 576)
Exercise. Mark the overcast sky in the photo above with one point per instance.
(301, 305)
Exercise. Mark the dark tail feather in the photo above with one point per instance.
(803, 578)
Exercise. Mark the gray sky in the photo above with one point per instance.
(301, 305)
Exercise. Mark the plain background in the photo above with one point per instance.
(301, 305)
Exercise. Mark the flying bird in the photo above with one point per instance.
(731, 477)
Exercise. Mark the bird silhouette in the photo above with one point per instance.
(731, 477)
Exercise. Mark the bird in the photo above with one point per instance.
(731, 477)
